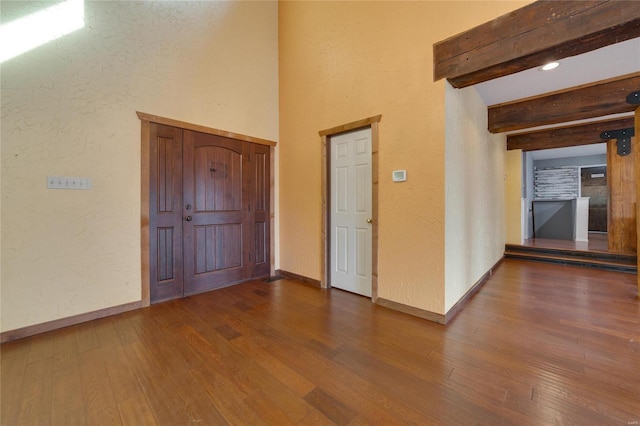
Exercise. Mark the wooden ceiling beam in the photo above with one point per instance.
(532, 36)
(577, 103)
(566, 136)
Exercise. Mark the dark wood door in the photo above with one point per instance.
(593, 184)
(210, 212)
(259, 161)
(165, 215)
(216, 229)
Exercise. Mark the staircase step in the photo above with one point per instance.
(600, 260)
(601, 255)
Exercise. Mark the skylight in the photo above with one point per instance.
(27, 33)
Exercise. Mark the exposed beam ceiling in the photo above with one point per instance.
(566, 136)
(587, 101)
(533, 35)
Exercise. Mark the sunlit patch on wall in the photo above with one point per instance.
(29, 32)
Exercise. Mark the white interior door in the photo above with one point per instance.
(350, 217)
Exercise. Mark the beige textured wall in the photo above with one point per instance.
(344, 61)
(475, 193)
(513, 206)
(68, 108)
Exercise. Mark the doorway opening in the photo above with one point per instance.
(558, 189)
(593, 185)
(203, 209)
(331, 235)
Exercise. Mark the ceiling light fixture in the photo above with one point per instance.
(550, 66)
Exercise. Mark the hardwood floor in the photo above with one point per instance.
(538, 344)
(598, 242)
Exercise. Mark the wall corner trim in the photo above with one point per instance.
(296, 277)
(435, 317)
(457, 307)
(411, 310)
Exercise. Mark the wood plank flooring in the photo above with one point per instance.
(538, 344)
(598, 242)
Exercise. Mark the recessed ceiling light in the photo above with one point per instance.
(550, 66)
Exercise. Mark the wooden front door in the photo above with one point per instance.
(165, 212)
(219, 215)
(260, 209)
(216, 230)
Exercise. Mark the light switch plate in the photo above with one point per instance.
(399, 175)
(67, 182)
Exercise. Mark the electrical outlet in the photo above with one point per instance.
(66, 182)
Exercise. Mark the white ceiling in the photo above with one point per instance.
(608, 62)
(601, 64)
(573, 151)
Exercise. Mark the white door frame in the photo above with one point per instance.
(325, 136)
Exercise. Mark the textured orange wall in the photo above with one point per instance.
(344, 61)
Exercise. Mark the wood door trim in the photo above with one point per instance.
(203, 129)
(272, 216)
(351, 126)
(145, 165)
(325, 136)
(145, 178)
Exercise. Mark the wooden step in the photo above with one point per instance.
(593, 259)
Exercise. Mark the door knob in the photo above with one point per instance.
(188, 218)
(369, 220)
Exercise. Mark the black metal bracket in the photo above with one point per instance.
(633, 98)
(623, 137)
